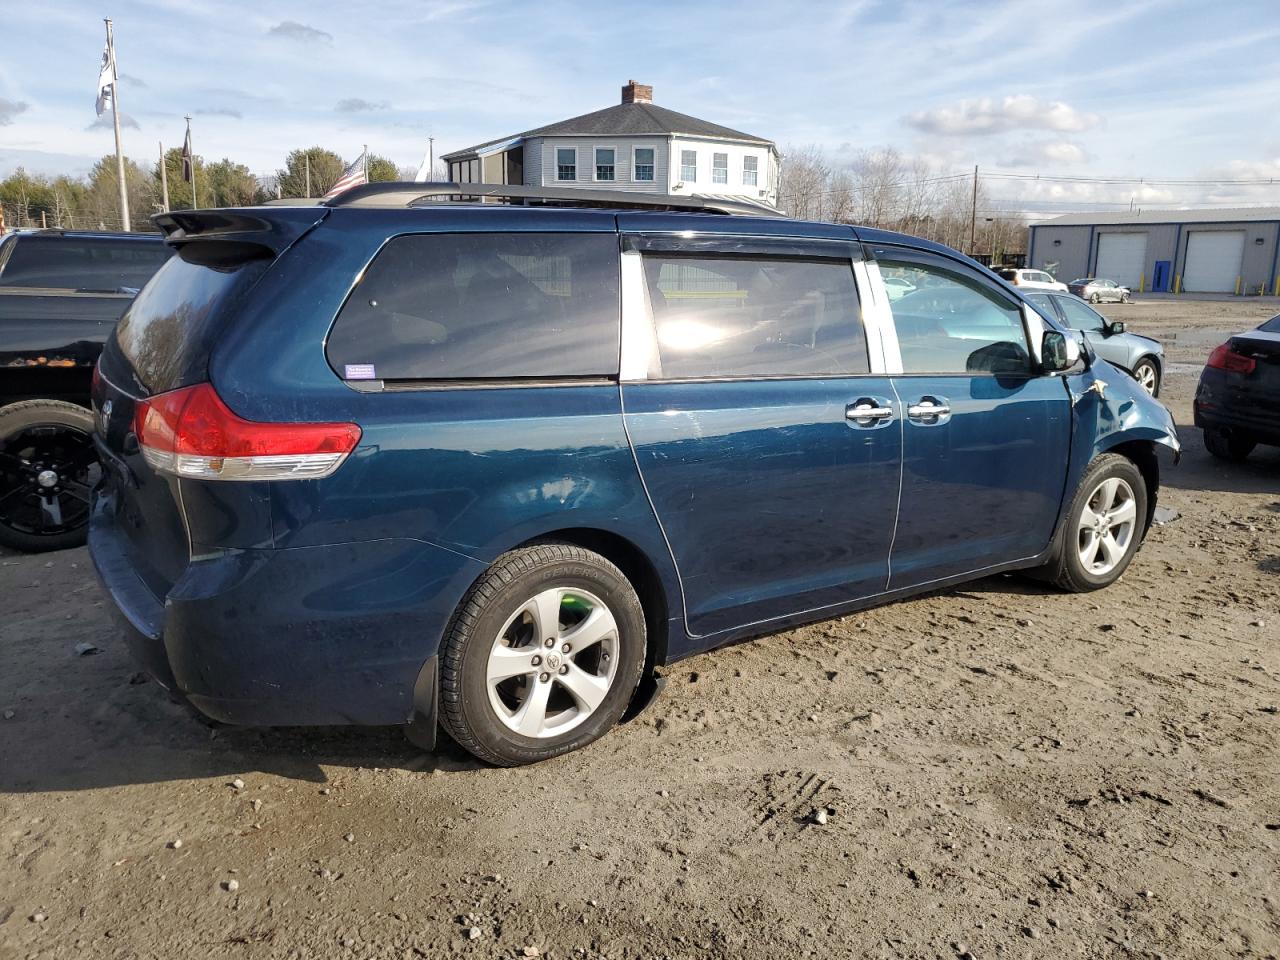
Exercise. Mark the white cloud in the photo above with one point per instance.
(105, 122)
(988, 115)
(1058, 153)
(359, 105)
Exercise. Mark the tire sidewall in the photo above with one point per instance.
(35, 413)
(605, 582)
(1107, 466)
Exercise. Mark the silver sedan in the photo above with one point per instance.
(1096, 290)
(1141, 356)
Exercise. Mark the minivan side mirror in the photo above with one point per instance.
(1114, 327)
(1058, 352)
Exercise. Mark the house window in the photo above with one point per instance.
(719, 168)
(605, 163)
(689, 166)
(750, 171)
(566, 163)
(642, 166)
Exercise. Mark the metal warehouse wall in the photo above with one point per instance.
(1068, 247)
(1074, 248)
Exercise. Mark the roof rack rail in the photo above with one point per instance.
(390, 193)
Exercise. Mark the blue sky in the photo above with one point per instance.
(1138, 88)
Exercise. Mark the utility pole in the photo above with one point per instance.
(366, 163)
(308, 176)
(431, 158)
(164, 180)
(973, 215)
(115, 117)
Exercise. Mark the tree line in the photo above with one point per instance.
(92, 202)
(881, 188)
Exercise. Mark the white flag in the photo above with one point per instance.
(106, 81)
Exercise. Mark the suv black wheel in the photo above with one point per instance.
(48, 468)
(1102, 530)
(543, 656)
(1228, 446)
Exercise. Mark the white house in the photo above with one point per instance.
(635, 145)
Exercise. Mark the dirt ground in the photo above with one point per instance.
(1006, 771)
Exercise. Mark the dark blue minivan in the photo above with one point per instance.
(408, 458)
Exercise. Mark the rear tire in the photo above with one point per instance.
(48, 467)
(1095, 298)
(542, 657)
(1103, 529)
(1228, 446)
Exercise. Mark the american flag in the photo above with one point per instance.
(353, 176)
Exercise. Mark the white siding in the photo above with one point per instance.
(765, 187)
(540, 162)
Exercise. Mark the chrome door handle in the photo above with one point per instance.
(929, 410)
(868, 412)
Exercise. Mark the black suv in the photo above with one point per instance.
(61, 293)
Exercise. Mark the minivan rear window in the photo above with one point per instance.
(482, 306)
(168, 331)
(88, 263)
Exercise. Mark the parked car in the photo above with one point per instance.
(60, 294)
(1237, 402)
(1031, 279)
(1099, 291)
(1141, 356)
(383, 461)
(897, 288)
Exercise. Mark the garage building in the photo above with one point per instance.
(1162, 251)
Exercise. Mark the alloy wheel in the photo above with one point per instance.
(1145, 374)
(553, 662)
(47, 473)
(1106, 527)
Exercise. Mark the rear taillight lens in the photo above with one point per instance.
(192, 433)
(1224, 358)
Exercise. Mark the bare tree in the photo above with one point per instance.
(802, 182)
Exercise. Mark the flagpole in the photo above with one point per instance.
(164, 179)
(195, 203)
(115, 117)
(366, 163)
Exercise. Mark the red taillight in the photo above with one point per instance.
(1224, 358)
(192, 433)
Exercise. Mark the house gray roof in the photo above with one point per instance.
(1211, 215)
(624, 120)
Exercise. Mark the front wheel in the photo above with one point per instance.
(1147, 374)
(1124, 298)
(48, 467)
(1103, 528)
(543, 656)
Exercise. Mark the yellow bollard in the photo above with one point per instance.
(1177, 283)
(1142, 283)
(1237, 286)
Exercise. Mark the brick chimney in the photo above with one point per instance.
(637, 93)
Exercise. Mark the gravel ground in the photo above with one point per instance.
(1001, 771)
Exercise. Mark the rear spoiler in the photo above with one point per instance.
(271, 229)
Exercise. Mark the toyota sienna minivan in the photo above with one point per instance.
(408, 458)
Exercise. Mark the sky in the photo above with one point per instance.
(1078, 91)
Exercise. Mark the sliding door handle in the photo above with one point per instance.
(929, 411)
(868, 412)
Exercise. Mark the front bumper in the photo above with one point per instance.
(337, 634)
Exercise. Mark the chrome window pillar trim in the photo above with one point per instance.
(877, 319)
(639, 359)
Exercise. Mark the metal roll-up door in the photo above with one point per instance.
(1122, 257)
(1213, 261)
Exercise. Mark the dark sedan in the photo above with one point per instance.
(1238, 401)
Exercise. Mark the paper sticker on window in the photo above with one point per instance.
(358, 371)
